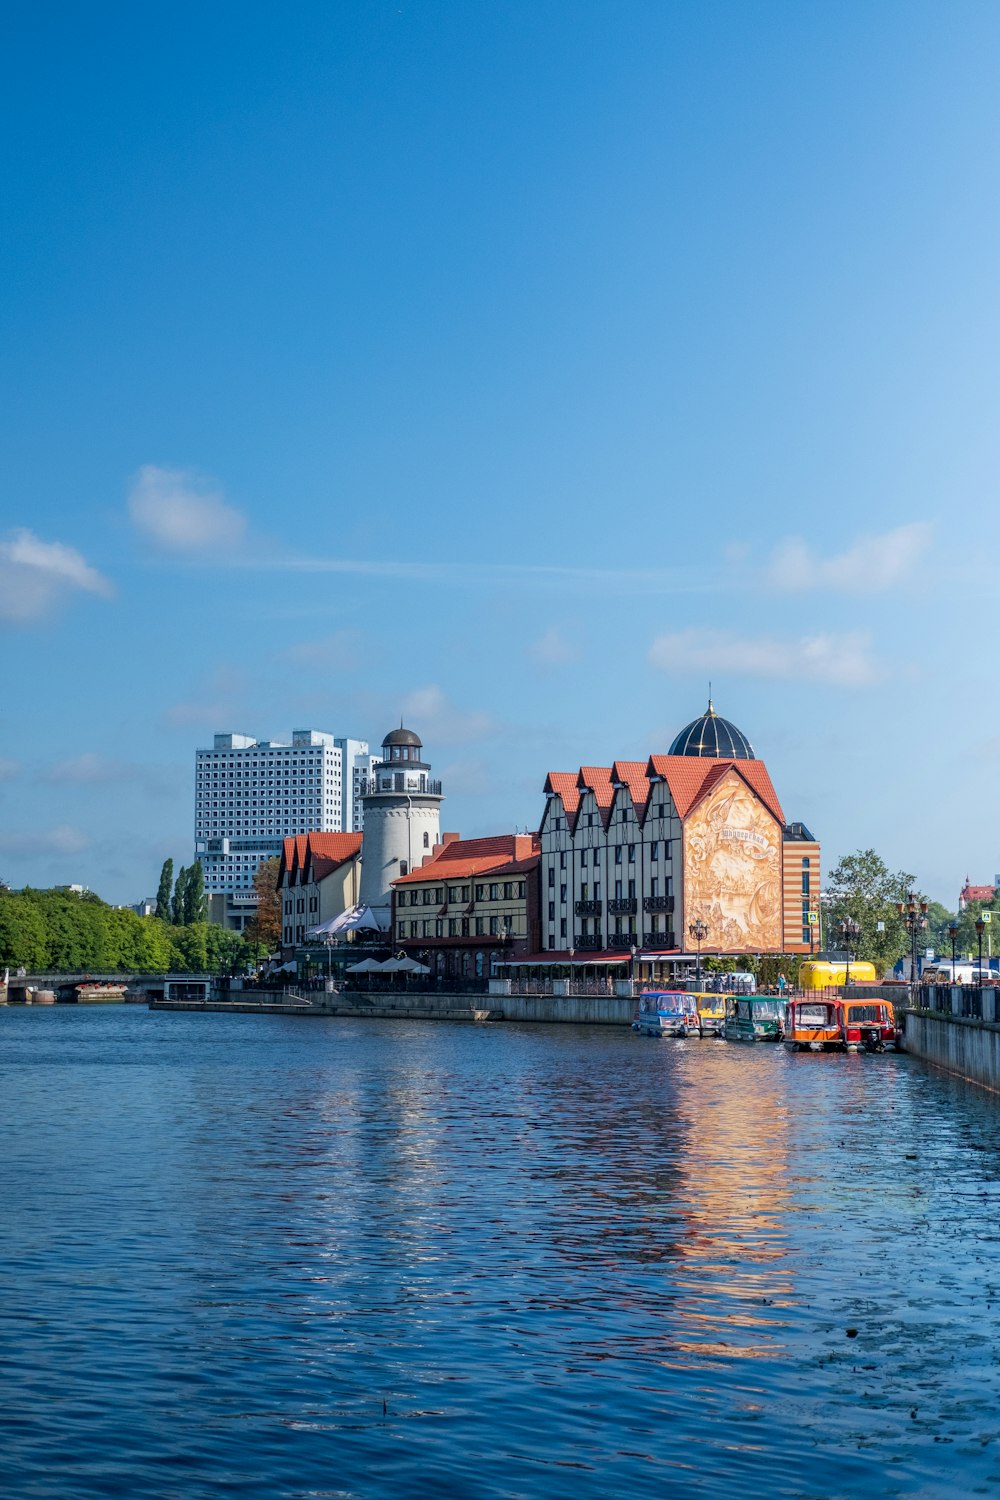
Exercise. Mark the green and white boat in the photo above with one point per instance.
(755, 1018)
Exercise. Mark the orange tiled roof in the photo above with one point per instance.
(510, 852)
(597, 779)
(325, 851)
(328, 850)
(689, 777)
(632, 774)
(564, 785)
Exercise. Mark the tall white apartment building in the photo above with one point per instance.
(252, 794)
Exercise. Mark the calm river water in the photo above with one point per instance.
(316, 1258)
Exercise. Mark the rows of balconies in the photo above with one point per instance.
(624, 906)
(593, 942)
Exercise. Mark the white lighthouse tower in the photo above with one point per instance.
(402, 819)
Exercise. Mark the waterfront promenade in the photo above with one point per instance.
(246, 1255)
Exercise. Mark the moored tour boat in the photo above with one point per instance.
(711, 1013)
(814, 1025)
(92, 993)
(667, 1013)
(754, 1018)
(870, 1026)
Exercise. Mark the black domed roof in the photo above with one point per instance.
(713, 736)
(402, 736)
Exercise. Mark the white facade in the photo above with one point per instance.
(608, 870)
(250, 794)
(356, 770)
(402, 820)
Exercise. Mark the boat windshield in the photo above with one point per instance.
(857, 1014)
(767, 1010)
(813, 1015)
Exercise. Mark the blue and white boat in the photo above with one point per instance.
(667, 1013)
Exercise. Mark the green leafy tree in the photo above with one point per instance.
(226, 952)
(861, 886)
(178, 904)
(189, 948)
(164, 890)
(195, 903)
(22, 933)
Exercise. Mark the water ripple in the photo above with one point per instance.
(311, 1258)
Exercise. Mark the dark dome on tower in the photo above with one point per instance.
(402, 736)
(712, 736)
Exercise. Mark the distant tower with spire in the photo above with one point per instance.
(402, 819)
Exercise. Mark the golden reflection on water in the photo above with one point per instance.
(732, 1196)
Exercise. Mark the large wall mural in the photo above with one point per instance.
(732, 870)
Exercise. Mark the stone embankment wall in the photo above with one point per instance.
(588, 1010)
(968, 1047)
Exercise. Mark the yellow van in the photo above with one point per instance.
(817, 974)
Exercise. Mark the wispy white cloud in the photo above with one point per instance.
(552, 649)
(88, 769)
(841, 659)
(10, 770)
(872, 562)
(429, 712)
(341, 651)
(37, 575)
(180, 512)
(62, 839)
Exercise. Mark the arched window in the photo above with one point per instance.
(427, 841)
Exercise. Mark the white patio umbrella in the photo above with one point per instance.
(366, 966)
(411, 966)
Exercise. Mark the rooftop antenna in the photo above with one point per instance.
(711, 710)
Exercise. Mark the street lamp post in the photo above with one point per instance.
(980, 929)
(953, 934)
(699, 932)
(914, 915)
(849, 931)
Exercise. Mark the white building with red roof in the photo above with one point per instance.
(633, 855)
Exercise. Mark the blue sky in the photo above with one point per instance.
(517, 367)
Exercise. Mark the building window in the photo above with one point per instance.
(439, 928)
(552, 876)
(562, 860)
(508, 890)
(494, 926)
(654, 849)
(453, 927)
(495, 892)
(562, 894)
(618, 855)
(480, 926)
(427, 841)
(552, 911)
(631, 854)
(805, 882)
(631, 889)
(562, 926)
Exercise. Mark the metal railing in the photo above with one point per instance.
(587, 908)
(657, 903)
(624, 906)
